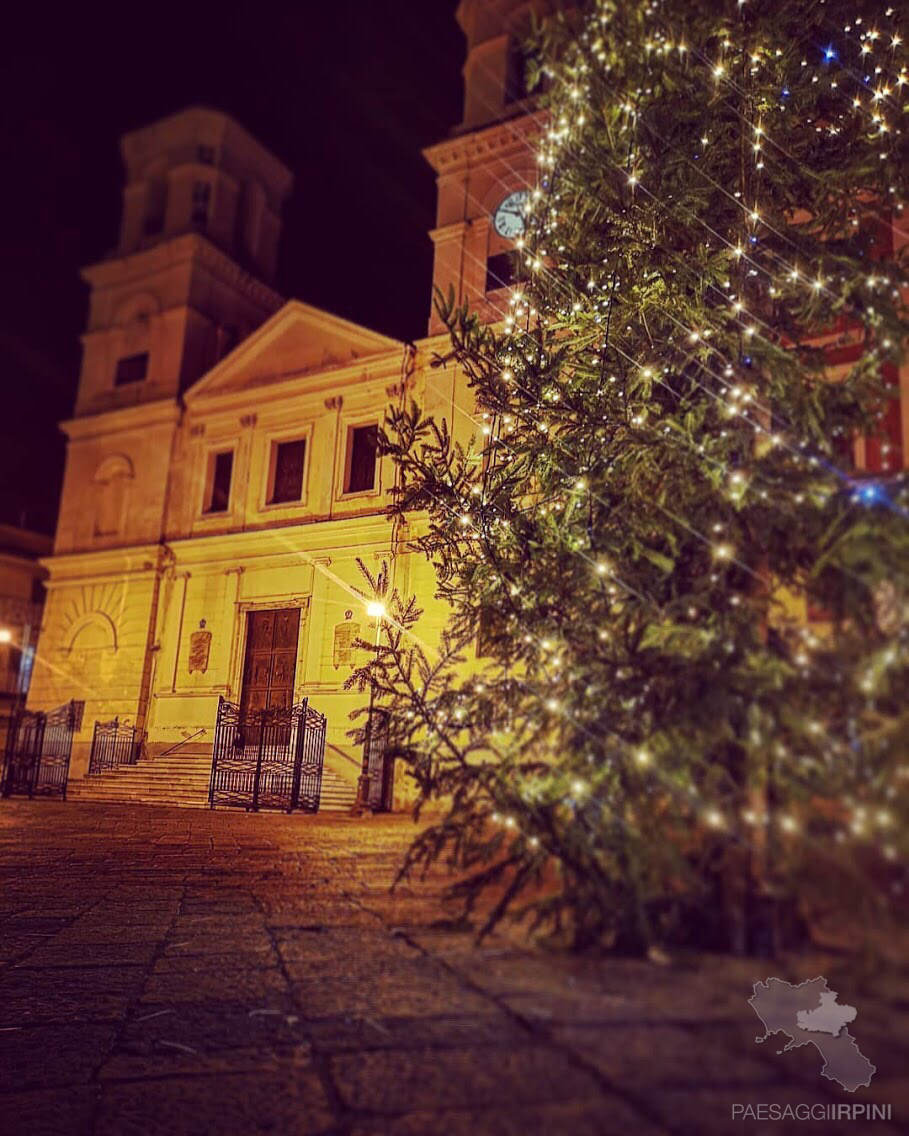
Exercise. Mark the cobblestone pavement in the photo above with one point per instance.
(184, 972)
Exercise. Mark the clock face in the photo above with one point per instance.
(509, 218)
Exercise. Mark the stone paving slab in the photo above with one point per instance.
(592, 1117)
(291, 1101)
(181, 972)
(49, 1112)
(47, 1056)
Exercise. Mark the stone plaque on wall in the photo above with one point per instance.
(199, 650)
(346, 633)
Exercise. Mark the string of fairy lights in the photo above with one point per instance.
(537, 263)
(735, 391)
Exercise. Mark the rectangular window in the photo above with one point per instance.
(200, 203)
(131, 369)
(220, 469)
(155, 207)
(500, 271)
(286, 480)
(485, 638)
(517, 84)
(362, 444)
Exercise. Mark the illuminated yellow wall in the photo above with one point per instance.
(124, 606)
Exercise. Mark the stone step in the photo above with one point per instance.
(141, 794)
(106, 793)
(160, 781)
(152, 769)
(144, 773)
(187, 785)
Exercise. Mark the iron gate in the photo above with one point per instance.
(378, 763)
(267, 759)
(112, 745)
(38, 748)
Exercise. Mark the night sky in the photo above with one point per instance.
(346, 93)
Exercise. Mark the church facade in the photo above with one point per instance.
(222, 477)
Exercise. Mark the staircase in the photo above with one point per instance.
(337, 795)
(178, 779)
(181, 779)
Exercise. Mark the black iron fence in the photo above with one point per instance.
(267, 759)
(113, 744)
(38, 749)
(378, 763)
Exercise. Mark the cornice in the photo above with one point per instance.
(278, 386)
(466, 149)
(139, 416)
(21, 563)
(312, 539)
(450, 232)
(135, 560)
(438, 343)
(186, 248)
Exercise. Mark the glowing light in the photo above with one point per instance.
(375, 609)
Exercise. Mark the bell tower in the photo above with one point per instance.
(192, 269)
(488, 164)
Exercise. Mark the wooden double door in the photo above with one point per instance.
(271, 661)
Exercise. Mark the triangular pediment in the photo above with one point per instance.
(297, 340)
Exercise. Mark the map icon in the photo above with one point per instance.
(809, 1014)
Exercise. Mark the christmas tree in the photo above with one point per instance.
(688, 716)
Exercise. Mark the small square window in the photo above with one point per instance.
(286, 476)
(131, 369)
(217, 487)
(360, 466)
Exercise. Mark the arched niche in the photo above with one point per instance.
(112, 479)
(93, 631)
(91, 651)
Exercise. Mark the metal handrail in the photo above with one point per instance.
(176, 746)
